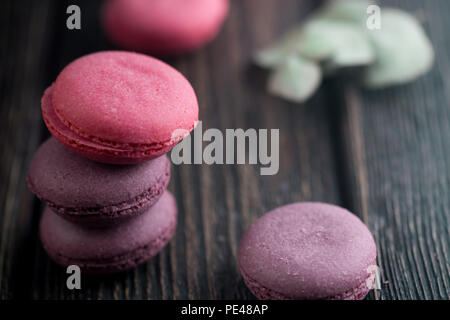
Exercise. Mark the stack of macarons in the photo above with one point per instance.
(104, 173)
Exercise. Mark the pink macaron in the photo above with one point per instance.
(120, 107)
(163, 27)
(307, 251)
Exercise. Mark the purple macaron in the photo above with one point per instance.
(307, 251)
(82, 190)
(116, 248)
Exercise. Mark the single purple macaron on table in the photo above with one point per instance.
(118, 247)
(308, 251)
(90, 192)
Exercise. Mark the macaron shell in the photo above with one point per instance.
(307, 251)
(77, 187)
(112, 249)
(163, 27)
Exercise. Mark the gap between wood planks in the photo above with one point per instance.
(355, 151)
(345, 121)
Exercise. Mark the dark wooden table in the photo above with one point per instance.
(384, 155)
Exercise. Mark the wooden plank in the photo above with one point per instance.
(24, 33)
(397, 160)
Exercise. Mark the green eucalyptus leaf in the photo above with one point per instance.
(275, 54)
(346, 10)
(339, 43)
(295, 79)
(314, 42)
(403, 51)
(325, 36)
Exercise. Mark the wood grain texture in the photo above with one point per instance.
(23, 48)
(384, 155)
